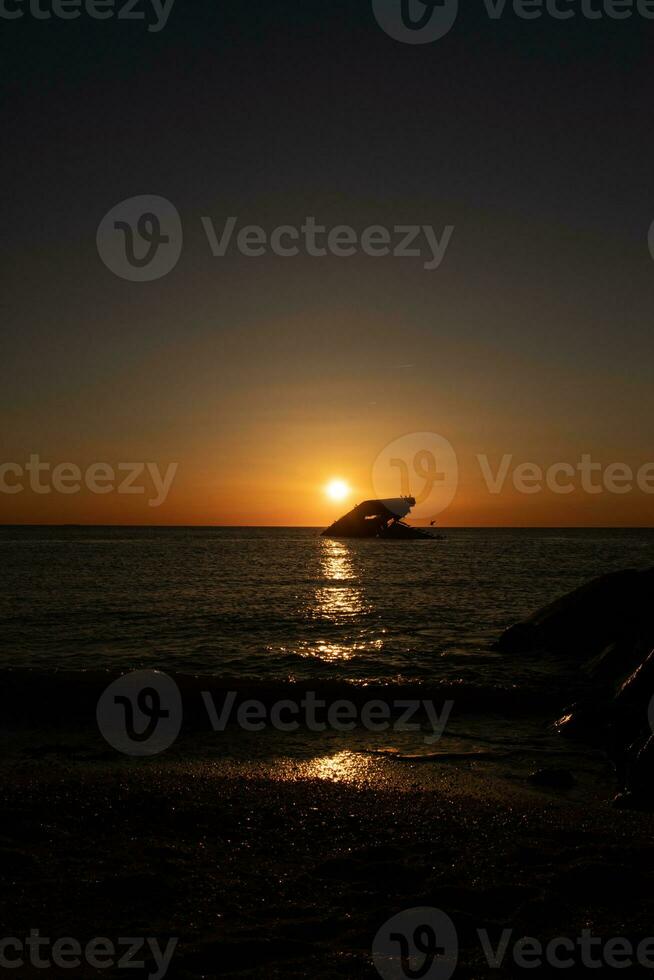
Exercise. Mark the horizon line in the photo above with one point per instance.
(317, 527)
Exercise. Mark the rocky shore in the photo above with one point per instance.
(607, 628)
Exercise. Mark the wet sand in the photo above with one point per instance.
(287, 868)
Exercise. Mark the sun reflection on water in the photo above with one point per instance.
(333, 599)
(338, 600)
(336, 560)
(343, 767)
(339, 603)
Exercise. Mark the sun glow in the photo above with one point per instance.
(337, 490)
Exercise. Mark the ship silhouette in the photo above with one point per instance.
(378, 519)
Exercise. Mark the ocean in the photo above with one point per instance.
(274, 607)
(286, 603)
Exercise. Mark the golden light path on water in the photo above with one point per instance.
(336, 561)
(337, 600)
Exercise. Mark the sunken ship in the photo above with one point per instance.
(378, 519)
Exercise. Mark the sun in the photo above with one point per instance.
(337, 490)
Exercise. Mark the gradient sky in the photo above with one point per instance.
(265, 377)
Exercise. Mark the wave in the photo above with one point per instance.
(62, 698)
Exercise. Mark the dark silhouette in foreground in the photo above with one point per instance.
(378, 519)
(608, 627)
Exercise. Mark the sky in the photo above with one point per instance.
(259, 378)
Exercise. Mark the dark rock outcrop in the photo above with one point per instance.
(607, 626)
(613, 609)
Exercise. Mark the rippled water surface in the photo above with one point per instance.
(287, 603)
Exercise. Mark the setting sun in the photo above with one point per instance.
(337, 490)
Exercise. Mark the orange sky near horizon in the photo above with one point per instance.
(255, 440)
(282, 488)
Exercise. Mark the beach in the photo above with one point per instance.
(288, 868)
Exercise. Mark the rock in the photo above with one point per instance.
(585, 720)
(636, 691)
(608, 626)
(613, 609)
